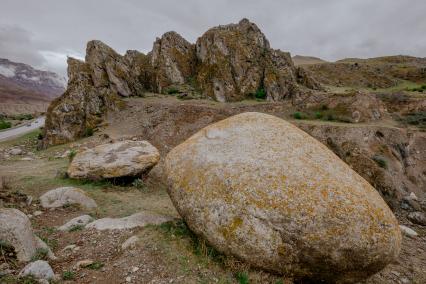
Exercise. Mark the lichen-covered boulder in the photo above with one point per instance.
(114, 160)
(16, 230)
(262, 190)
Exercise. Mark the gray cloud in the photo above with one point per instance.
(43, 33)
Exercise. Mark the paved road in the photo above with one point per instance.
(27, 127)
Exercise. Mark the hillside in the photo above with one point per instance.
(22, 86)
(306, 60)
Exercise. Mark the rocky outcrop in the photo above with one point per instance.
(173, 60)
(115, 160)
(258, 188)
(236, 62)
(80, 109)
(227, 63)
(39, 269)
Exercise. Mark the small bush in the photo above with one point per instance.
(89, 131)
(260, 94)
(242, 278)
(71, 155)
(318, 115)
(298, 115)
(40, 254)
(5, 124)
(330, 117)
(68, 275)
(173, 91)
(95, 265)
(380, 161)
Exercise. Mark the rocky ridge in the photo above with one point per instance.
(228, 63)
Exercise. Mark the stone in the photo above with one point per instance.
(260, 189)
(418, 218)
(16, 151)
(40, 269)
(140, 219)
(77, 221)
(408, 231)
(16, 230)
(66, 196)
(113, 160)
(130, 242)
(37, 213)
(84, 263)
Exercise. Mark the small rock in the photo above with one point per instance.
(27, 159)
(84, 263)
(407, 231)
(37, 213)
(405, 280)
(130, 243)
(65, 196)
(15, 151)
(413, 196)
(128, 279)
(418, 218)
(77, 221)
(134, 269)
(40, 269)
(70, 247)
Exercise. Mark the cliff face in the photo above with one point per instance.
(227, 63)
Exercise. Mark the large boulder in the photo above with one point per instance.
(259, 188)
(114, 160)
(16, 230)
(39, 269)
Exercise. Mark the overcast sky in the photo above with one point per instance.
(43, 32)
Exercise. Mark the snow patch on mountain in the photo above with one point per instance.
(7, 71)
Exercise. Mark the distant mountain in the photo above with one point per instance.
(22, 84)
(306, 60)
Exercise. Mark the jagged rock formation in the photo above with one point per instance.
(228, 63)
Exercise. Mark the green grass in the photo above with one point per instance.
(89, 131)
(380, 161)
(40, 254)
(68, 275)
(95, 265)
(71, 155)
(260, 94)
(298, 115)
(242, 278)
(415, 118)
(173, 91)
(139, 184)
(76, 228)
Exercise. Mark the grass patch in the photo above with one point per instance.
(139, 184)
(40, 254)
(415, 118)
(68, 275)
(242, 278)
(95, 265)
(71, 155)
(380, 161)
(89, 131)
(76, 228)
(260, 94)
(298, 115)
(173, 91)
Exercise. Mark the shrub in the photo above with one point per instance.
(260, 94)
(380, 161)
(330, 117)
(71, 155)
(173, 91)
(76, 228)
(88, 132)
(298, 115)
(5, 124)
(68, 275)
(318, 115)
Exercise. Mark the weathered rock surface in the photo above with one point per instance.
(16, 230)
(173, 59)
(80, 109)
(140, 219)
(418, 218)
(66, 196)
(77, 221)
(408, 231)
(39, 269)
(258, 188)
(130, 242)
(120, 159)
(236, 61)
